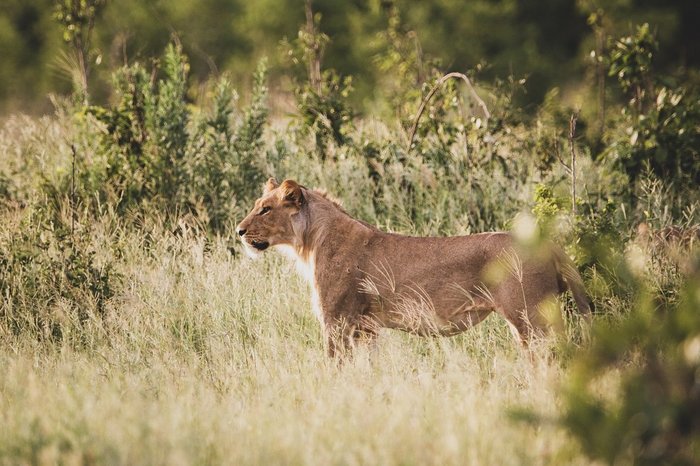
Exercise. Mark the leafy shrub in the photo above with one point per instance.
(53, 279)
(248, 142)
(325, 112)
(322, 97)
(651, 417)
(658, 128)
(225, 164)
(167, 119)
(409, 75)
(146, 135)
(665, 138)
(160, 155)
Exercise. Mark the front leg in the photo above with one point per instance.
(343, 335)
(343, 310)
(339, 334)
(338, 339)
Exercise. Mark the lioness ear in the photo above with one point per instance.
(269, 185)
(290, 191)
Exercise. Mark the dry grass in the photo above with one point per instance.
(206, 358)
(211, 359)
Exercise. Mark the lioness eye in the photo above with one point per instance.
(264, 210)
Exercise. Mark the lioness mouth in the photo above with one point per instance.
(260, 245)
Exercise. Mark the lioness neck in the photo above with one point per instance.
(321, 222)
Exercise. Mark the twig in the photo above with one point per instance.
(72, 192)
(571, 166)
(572, 149)
(315, 59)
(600, 71)
(558, 154)
(432, 92)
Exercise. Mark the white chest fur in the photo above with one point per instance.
(306, 268)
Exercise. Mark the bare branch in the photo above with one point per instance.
(432, 92)
(572, 148)
(557, 152)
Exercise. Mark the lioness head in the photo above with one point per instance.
(273, 220)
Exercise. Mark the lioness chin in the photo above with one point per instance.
(363, 279)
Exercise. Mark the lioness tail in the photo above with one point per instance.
(571, 279)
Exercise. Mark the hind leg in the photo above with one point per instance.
(530, 312)
(344, 335)
(521, 313)
(521, 327)
(339, 338)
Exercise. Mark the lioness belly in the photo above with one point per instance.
(428, 317)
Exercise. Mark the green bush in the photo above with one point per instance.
(146, 137)
(225, 158)
(658, 128)
(54, 276)
(322, 95)
(324, 112)
(162, 156)
(651, 416)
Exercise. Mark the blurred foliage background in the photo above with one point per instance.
(546, 41)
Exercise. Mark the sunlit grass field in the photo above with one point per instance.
(139, 337)
(133, 331)
(209, 358)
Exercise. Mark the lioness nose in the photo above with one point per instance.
(241, 232)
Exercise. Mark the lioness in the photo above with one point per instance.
(363, 279)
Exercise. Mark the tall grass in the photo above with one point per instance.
(200, 356)
(208, 359)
